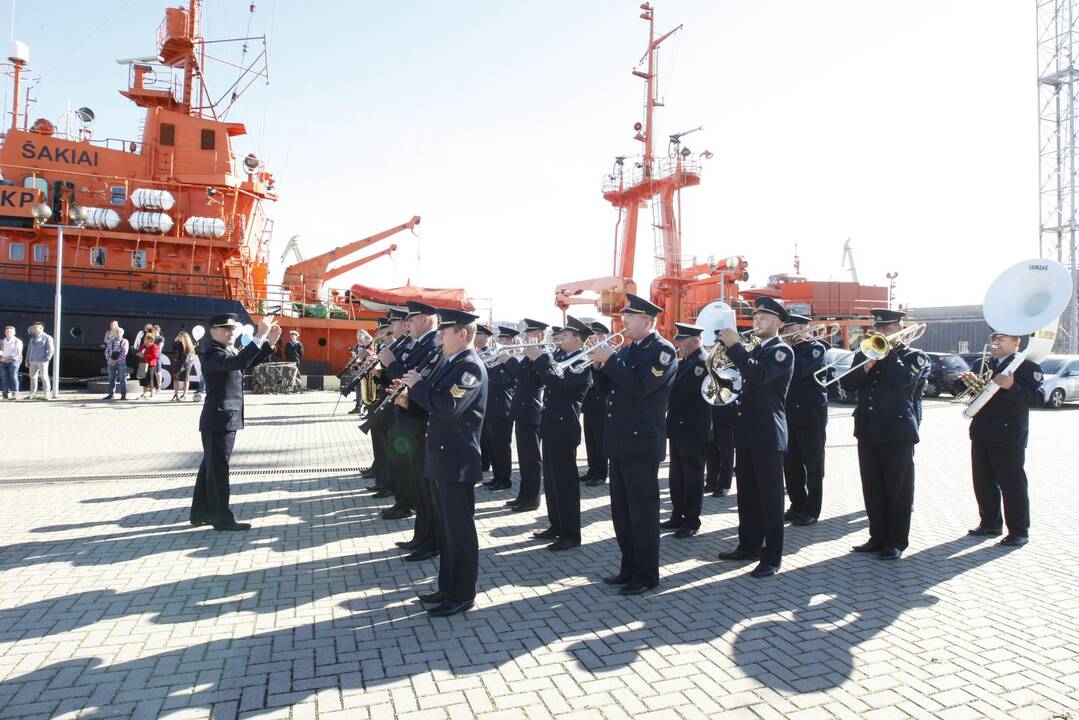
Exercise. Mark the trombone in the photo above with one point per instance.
(579, 363)
(875, 346)
(811, 332)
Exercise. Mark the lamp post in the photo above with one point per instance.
(76, 216)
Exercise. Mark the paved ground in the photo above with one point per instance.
(111, 606)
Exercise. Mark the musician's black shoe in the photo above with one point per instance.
(1015, 541)
(354, 411)
(383, 494)
(525, 508)
(868, 547)
(989, 532)
(890, 553)
(618, 579)
(419, 554)
(739, 554)
(584, 478)
(407, 544)
(198, 518)
(232, 526)
(789, 515)
(514, 501)
(548, 534)
(368, 472)
(449, 607)
(635, 589)
(803, 520)
(685, 532)
(764, 570)
(722, 492)
(433, 598)
(596, 482)
(671, 524)
(563, 544)
(396, 514)
(504, 485)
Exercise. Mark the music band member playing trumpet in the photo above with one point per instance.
(594, 412)
(498, 421)
(560, 430)
(998, 441)
(760, 437)
(807, 421)
(886, 424)
(689, 427)
(641, 373)
(527, 405)
(454, 396)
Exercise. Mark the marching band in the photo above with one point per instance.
(452, 395)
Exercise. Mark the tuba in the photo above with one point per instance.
(723, 384)
(1026, 299)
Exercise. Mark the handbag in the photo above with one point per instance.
(141, 372)
(115, 355)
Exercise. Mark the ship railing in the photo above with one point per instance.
(633, 172)
(131, 146)
(211, 286)
(281, 299)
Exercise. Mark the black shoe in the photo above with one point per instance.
(367, 473)
(417, 555)
(232, 526)
(1015, 540)
(803, 520)
(596, 482)
(512, 503)
(447, 608)
(868, 547)
(200, 519)
(407, 544)
(396, 514)
(524, 508)
(585, 478)
(739, 554)
(790, 515)
(433, 598)
(618, 579)
(990, 532)
(371, 489)
(722, 492)
(354, 411)
(563, 544)
(107, 397)
(764, 570)
(635, 589)
(504, 485)
(548, 534)
(890, 553)
(710, 487)
(685, 532)
(383, 494)
(671, 524)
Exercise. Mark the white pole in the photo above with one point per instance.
(56, 313)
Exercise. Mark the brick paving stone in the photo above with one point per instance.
(112, 606)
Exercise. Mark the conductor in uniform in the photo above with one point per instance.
(641, 374)
(498, 423)
(223, 413)
(886, 423)
(689, 427)
(760, 436)
(560, 429)
(455, 398)
(998, 441)
(594, 412)
(526, 409)
(807, 421)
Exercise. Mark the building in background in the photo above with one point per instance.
(951, 328)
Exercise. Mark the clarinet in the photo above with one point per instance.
(433, 355)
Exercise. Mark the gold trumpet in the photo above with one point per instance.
(580, 362)
(875, 346)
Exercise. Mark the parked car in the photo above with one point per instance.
(1060, 379)
(842, 359)
(944, 372)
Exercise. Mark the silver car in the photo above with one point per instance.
(1061, 379)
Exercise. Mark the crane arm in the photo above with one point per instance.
(330, 274)
(316, 266)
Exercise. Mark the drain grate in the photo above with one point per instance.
(181, 475)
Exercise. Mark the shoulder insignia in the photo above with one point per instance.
(816, 352)
(1038, 376)
(665, 358)
(658, 372)
(404, 356)
(781, 355)
(921, 361)
(468, 380)
(457, 392)
(698, 371)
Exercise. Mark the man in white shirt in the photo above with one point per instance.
(10, 359)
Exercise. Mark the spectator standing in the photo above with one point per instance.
(294, 348)
(149, 353)
(39, 352)
(10, 360)
(116, 349)
(159, 340)
(185, 360)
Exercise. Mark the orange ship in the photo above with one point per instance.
(175, 225)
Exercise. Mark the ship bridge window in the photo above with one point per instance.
(167, 135)
(138, 259)
(97, 256)
(16, 252)
(117, 195)
(38, 183)
(209, 139)
(41, 253)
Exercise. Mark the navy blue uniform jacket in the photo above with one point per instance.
(410, 359)
(223, 379)
(762, 413)
(1004, 421)
(455, 397)
(527, 401)
(888, 410)
(500, 386)
(689, 415)
(807, 401)
(562, 398)
(641, 376)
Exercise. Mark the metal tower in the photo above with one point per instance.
(1058, 86)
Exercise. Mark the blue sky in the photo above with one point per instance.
(908, 126)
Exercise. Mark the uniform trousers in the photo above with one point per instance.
(501, 429)
(999, 473)
(485, 448)
(529, 462)
(211, 498)
(405, 439)
(720, 463)
(562, 488)
(887, 471)
(803, 469)
(458, 563)
(687, 485)
(593, 442)
(635, 513)
(760, 503)
(380, 438)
